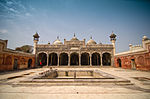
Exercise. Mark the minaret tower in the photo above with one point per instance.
(113, 40)
(36, 39)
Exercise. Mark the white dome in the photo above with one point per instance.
(91, 42)
(145, 38)
(57, 42)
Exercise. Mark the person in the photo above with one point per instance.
(51, 68)
(40, 63)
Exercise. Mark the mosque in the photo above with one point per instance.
(74, 52)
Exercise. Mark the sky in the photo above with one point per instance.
(21, 19)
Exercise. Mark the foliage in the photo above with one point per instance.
(25, 48)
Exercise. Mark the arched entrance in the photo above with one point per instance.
(133, 64)
(85, 60)
(8, 60)
(119, 62)
(42, 59)
(74, 59)
(15, 67)
(29, 63)
(106, 59)
(63, 59)
(53, 59)
(95, 59)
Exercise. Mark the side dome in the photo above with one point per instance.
(57, 42)
(145, 38)
(91, 42)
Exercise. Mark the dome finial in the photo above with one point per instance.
(91, 37)
(57, 37)
(74, 35)
(112, 32)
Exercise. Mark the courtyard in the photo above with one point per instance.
(137, 85)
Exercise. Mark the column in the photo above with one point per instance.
(69, 59)
(47, 58)
(51, 60)
(58, 60)
(90, 59)
(36, 60)
(79, 59)
(101, 59)
(112, 59)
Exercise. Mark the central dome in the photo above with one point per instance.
(57, 42)
(91, 42)
(74, 38)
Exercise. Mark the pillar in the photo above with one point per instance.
(90, 59)
(47, 59)
(35, 44)
(51, 60)
(79, 59)
(69, 59)
(112, 59)
(114, 48)
(101, 59)
(58, 60)
(36, 60)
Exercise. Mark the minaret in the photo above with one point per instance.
(113, 40)
(36, 39)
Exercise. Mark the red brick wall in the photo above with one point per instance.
(142, 61)
(7, 61)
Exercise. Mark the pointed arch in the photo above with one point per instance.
(85, 59)
(63, 59)
(119, 62)
(74, 59)
(53, 59)
(8, 60)
(29, 63)
(42, 59)
(95, 58)
(106, 59)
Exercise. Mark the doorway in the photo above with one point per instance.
(15, 64)
(63, 59)
(119, 62)
(29, 63)
(133, 65)
(74, 59)
(106, 59)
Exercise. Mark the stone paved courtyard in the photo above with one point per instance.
(138, 88)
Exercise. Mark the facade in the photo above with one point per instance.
(13, 60)
(74, 52)
(138, 57)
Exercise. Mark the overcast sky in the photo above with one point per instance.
(20, 19)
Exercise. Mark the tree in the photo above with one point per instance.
(25, 48)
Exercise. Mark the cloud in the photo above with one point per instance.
(9, 2)
(28, 14)
(13, 10)
(3, 31)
